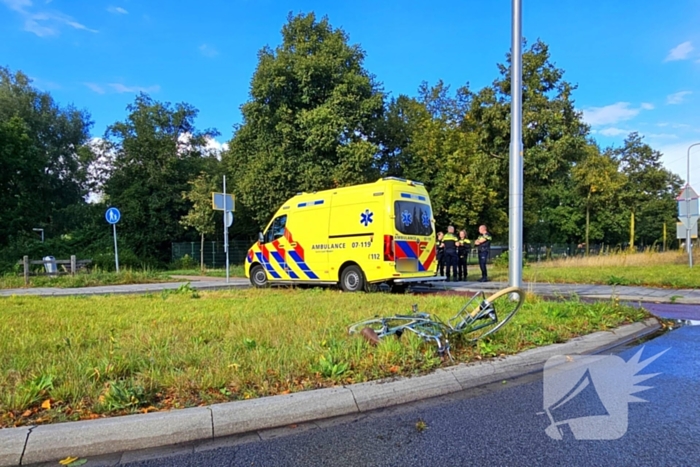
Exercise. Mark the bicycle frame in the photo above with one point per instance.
(433, 329)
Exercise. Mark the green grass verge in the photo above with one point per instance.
(97, 278)
(675, 276)
(92, 279)
(86, 357)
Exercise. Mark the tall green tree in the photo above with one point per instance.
(424, 140)
(311, 121)
(598, 183)
(650, 190)
(201, 215)
(156, 151)
(44, 166)
(554, 138)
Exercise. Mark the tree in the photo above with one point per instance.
(424, 140)
(598, 182)
(201, 215)
(650, 190)
(311, 120)
(156, 151)
(44, 164)
(554, 138)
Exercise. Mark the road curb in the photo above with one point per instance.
(91, 438)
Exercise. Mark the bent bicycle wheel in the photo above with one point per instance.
(377, 325)
(495, 311)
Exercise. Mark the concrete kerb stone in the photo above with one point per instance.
(136, 432)
(379, 394)
(270, 412)
(109, 435)
(12, 443)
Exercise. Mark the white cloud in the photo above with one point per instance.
(673, 125)
(17, 5)
(661, 135)
(43, 23)
(647, 106)
(208, 51)
(612, 114)
(678, 97)
(95, 87)
(680, 52)
(612, 131)
(120, 88)
(117, 10)
(214, 145)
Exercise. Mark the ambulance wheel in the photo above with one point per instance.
(352, 279)
(258, 277)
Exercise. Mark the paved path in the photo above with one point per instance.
(625, 293)
(124, 289)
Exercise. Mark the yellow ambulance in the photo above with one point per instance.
(380, 232)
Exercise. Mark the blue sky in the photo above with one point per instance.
(637, 65)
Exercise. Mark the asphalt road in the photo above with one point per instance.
(503, 424)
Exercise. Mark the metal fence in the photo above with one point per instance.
(542, 252)
(214, 256)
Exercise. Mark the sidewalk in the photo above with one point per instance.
(593, 292)
(209, 284)
(621, 292)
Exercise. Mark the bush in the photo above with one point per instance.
(186, 262)
(503, 259)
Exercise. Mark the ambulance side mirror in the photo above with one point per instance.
(261, 238)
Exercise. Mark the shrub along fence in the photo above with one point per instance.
(214, 255)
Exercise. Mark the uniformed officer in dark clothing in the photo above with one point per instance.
(483, 246)
(449, 244)
(463, 247)
(440, 254)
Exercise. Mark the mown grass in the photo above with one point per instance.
(669, 270)
(91, 279)
(87, 357)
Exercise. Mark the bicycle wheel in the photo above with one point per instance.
(493, 312)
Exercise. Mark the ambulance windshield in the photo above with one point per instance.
(413, 218)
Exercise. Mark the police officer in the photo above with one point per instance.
(449, 244)
(463, 247)
(483, 246)
(440, 254)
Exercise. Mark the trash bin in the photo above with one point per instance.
(50, 265)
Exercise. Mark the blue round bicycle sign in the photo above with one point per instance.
(113, 215)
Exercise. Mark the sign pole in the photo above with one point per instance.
(687, 206)
(226, 231)
(116, 252)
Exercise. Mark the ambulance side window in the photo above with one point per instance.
(276, 230)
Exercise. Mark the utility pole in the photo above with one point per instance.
(515, 214)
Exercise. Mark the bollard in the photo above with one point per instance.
(26, 270)
(72, 265)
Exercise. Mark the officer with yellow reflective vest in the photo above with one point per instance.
(449, 246)
(463, 247)
(483, 246)
(440, 254)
